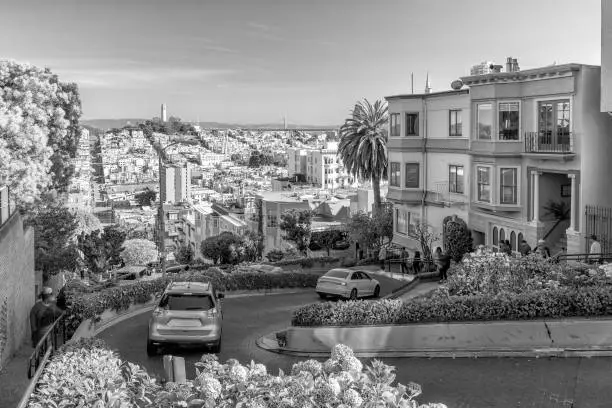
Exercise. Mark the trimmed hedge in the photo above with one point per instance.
(306, 262)
(86, 305)
(549, 303)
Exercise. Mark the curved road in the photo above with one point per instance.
(462, 382)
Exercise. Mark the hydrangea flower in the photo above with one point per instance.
(238, 373)
(341, 352)
(210, 387)
(258, 370)
(351, 364)
(352, 398)
(312, 366)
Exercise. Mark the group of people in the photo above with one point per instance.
(415, 263)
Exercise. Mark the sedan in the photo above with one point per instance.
(347, 283)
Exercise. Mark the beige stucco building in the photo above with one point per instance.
(529, 138)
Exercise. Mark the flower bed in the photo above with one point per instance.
(88, 374)
(482, 289)
(86, 305)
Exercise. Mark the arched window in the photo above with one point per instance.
(495, 236)
(513, 241)
(520, 239)
(502, 235)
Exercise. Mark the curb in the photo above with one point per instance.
(269, 343)
(403, 289)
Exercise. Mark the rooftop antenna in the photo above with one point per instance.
(412, 82)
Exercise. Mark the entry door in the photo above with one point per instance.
(554, 126)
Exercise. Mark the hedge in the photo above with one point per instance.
(549, 303)
(306, 262)
(83, 305)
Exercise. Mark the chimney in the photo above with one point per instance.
(515, 65)
(509, 66)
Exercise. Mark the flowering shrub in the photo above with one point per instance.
(94, 376)
(552, 302)
(307, 262)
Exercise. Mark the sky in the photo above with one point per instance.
(253, 61)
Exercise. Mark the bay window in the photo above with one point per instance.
(455, 179)
(509, 119)
(485, 121)
(394, 174)
(508, 186)
(394, 122)
(412, 175)
(484, 183)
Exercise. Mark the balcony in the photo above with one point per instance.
(548, 145)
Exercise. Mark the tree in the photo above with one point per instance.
(426, 238)
(184, 254)
(457, 237)
(38, 131)
(296, 224)
(383, 224)
(255, 159)
(114, 236)
(253, 245)
(363, 144)
(139, 252)
(231, 250)
(210, 249)
(146, 197)
(86, 222)
(95, 250)
(54, 228)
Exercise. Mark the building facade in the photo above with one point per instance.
(175, 184)
(296, 161)
(606, 56)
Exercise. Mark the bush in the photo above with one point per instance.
(275, 255)
(307, 262)
(549, 303)
(95, 376)
(82, 306)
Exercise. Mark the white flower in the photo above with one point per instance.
(352, 364)
(258, 370)
(388, 397)
(334, 386)
(352, 398)
(182, 404)
(238, 373)
(340, 351)
(209, 386)
(311, 366)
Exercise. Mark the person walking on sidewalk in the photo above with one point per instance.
(404, 261)
(417, 263)
(382, 257)
(443, 262)
(595, 255)
(43, 314)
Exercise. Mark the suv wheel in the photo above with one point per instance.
(151, 349)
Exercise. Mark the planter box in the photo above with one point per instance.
(592, 334)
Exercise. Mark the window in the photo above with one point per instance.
(484, 184)
(177, 301)
(513, 241)
(455, 179)
(412, 175)
(495, 238)
(402, 221)
(412, 124)
(455, 124)
(394, 179)
(485, 121)
(271, 220)
(508, 183)
(509, 121)
(394, 121)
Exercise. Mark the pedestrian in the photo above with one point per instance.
(524, 248)
(405, 258)
(542, 249)
(507, 248)
(595, 255)
(417, 263)
(382, 257)
(443, 262)
(43, 314)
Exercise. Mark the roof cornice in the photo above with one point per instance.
(553, 71)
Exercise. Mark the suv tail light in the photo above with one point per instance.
(213, 312)
(158, 311)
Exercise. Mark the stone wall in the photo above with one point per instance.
(17, 291)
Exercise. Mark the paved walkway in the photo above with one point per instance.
(14, 377)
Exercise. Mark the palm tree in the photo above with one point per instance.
(363, 144)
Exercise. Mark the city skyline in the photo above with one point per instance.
(254, 62)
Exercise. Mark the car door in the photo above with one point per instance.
(355, 282)
(367, 283)
(362, 284)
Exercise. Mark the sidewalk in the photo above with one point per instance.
(14, 377)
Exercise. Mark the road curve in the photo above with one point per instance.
(486, 382)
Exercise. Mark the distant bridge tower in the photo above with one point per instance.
(284, 121)
(164, 114)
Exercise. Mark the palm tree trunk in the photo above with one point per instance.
(376, 188)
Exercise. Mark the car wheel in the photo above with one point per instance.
(151, 349)
(322, 295)
(353, 294)
(377, 291)
(217, 347)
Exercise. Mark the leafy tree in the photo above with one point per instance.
(326, 239)
(383, 224)
(146, 197)
(38, 131)
(53, 228)
(457, 237)
(184, 254)
(363, 144)
(86, 222)
(255, 159)
(96, 252)
(139, 252)
(114, 237)
(253, 245)
(296, 224)
(211, 249)
(230, 248)
(426, 237)
(370, 231)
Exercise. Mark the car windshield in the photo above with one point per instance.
(337, 274)
(177, 301)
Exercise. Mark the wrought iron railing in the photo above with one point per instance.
(55, 337)
(549, 142)
(586, 258)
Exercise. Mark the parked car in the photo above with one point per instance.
(347, 283)
(341, 244)
(188, 313)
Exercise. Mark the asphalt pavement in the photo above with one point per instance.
(461, 382)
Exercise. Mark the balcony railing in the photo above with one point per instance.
(549, 142)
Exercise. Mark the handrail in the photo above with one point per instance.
(47, 343)
(586, 256)
(559, 221)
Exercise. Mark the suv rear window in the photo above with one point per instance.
(177, 301)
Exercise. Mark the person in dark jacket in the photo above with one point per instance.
(507, 248)
(417, 263)
(43, 314)
(405, 261)
(524, 248)
(443, 262)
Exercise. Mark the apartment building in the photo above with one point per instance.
(529, 140)
(429, 164)
(324, 167)
(175, 183)
(296, 161)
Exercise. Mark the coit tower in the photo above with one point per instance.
(163, 112)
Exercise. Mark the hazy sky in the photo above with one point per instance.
(251, 61)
